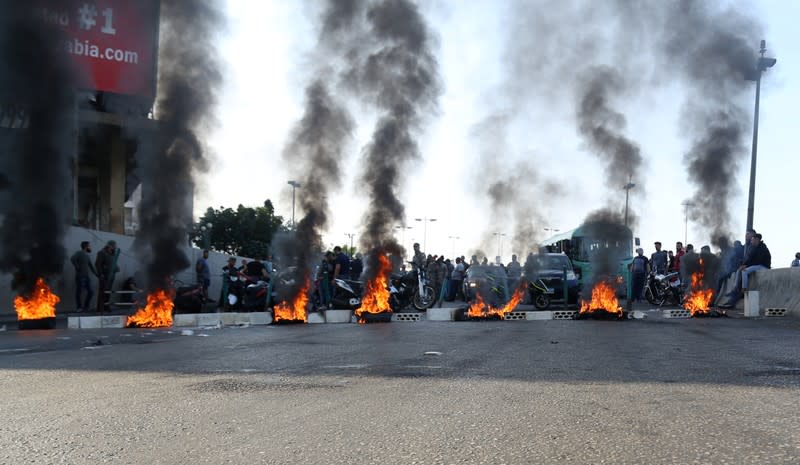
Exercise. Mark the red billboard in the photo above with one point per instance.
(113, 43)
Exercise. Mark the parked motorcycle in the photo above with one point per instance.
(255, 295)
(404, 290)
(663, 288)
(235, 290)
(346, 294)
(540, 293)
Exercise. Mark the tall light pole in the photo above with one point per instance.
(425, 231)
(403, 240)
(499, 244)
(294, 185)
(205, 230)
(686, 204)
(762, 64)
(351, 236)
(627, 188)
(454, 238)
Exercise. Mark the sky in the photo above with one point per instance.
(267, 49)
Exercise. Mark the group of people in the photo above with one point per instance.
(740, 259)
(104, 268)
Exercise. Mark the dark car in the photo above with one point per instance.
(490, 281)
(550, 267)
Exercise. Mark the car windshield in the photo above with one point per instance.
(553, 262)
(483, 271)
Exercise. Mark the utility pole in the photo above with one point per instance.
(761, 65)
(454, 238)
(351, 236)
(627, 188)
(294, 185)
(686, 204)
(425, 231)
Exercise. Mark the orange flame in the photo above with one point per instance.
(298, 310)
(603, 298)
(376, 291)
(699, 299)
(156, 314)
(479, 308)
(40, 304)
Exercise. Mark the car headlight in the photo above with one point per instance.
(473, 284)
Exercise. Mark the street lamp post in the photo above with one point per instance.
(454, 238)
(762, 64)
(499, 244)
(205, 230)
(294, 185)
(686, 204)
(627, 188)
(351, 236)
(403, 239)
(425, 231)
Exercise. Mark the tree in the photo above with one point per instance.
(246, 231)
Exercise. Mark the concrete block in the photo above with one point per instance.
(232, 319)
(406, 316)
(208, 319)
(338, 316)
(91, 322)
(316, 317)
(73, 322)
(260, 318)
(182, 320)
(539, 315)
(774, 312)
(440, 314)
(676, 313)
(751, 304)
(113, 321)
(516, 316)
(564, 314)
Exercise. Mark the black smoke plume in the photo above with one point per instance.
(602, 126)
(399, 76)
(189, 78)
(36, 76)
(316, 149)
(611, 238)
(714, 52)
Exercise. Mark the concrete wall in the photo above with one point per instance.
(778, 288)
(128, 263)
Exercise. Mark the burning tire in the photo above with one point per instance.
(426, 300)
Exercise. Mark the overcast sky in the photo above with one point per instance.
(267, 47)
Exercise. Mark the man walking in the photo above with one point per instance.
(106, 266)
(82, 262)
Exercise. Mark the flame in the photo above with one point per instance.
(40, 304)
(376, 291)
(699, 299)
(156, 314)
(298, 311)
(479, 308)
(603, 298)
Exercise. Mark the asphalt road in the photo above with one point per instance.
(715, 391)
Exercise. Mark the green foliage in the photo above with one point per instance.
(246, 231)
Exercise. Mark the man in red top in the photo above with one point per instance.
(679, 252)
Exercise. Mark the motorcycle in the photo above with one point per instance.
(663, 288)
(255, 295)
(346, 294)
(540, 293)
(404, 290)
(235, 290)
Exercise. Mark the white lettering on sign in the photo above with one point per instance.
(56, 18)
(87, 19)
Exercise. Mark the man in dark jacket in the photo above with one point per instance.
(83, 266)
(758, 258)
(106, 265)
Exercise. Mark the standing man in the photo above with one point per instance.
(106, 266)
(638, 274)
(679, 252)
(457, 279)
(82, 262)
(658, 260)
(356, 267)
(341, 264)
(203, 273)
(418, 261)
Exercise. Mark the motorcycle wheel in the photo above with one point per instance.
(651, 299)
(541, 301)
(424, 302)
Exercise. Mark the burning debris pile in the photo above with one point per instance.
(156, 314)
(700, 294)
(38, 309)
(375, 305)
(296, 311)
(603, 304)
(481, 310)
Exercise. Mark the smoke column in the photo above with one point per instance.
(714, 51)
(401, 79)
(35, 76)
(601, 125)
(317, 144)
(188, 81)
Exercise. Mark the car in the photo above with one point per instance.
(550, 267)
(488, 280)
